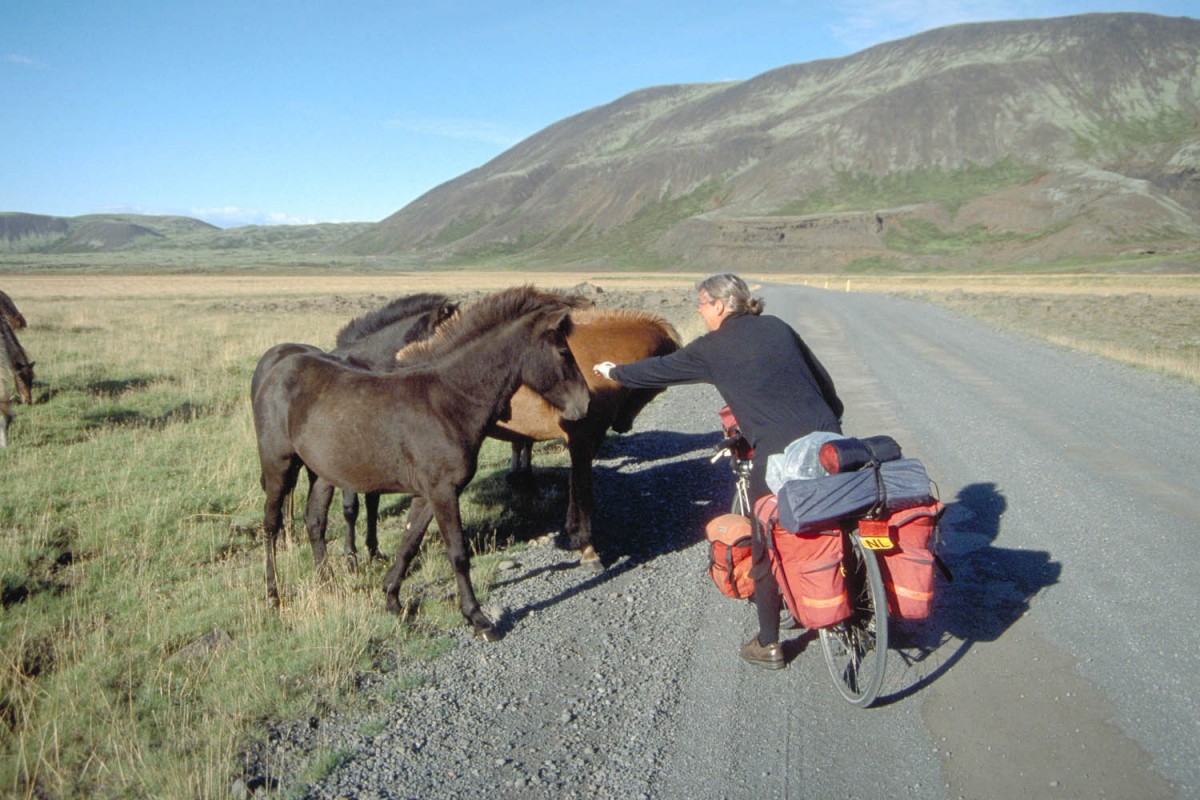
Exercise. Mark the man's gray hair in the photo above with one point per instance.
(733, 292)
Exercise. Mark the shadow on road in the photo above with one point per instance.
(655, 492)
(990, 590)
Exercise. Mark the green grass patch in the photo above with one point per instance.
(856, 191)
(924, 237)
(631, 245)
(460, 228)
(872, 265)
(1140, 139)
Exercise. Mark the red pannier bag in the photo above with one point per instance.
(908, 569)
(808, 567)
(729, 555)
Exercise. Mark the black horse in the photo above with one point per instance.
(596, 334)
(16, 371)
(372, 334)
(371, 342)
(373, 339)
(417, 430)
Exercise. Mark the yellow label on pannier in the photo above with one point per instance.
(876, 542)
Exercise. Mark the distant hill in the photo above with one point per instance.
(144, 235)
(37, 233)
(971, 145)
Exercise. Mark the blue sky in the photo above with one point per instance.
(246, 112)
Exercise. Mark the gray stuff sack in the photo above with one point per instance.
(812, 504)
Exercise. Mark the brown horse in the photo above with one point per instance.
(16, 371)
(631, 334)
(417, 430)
(8, 312)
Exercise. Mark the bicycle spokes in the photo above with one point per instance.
(856, 649)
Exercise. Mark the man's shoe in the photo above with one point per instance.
(767, 656)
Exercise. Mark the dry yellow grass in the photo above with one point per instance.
(46, 287)
(1150, 320)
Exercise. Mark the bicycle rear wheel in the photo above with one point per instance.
(856, 649)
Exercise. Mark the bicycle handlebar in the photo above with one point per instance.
(729, 443)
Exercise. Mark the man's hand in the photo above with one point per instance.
(604, 369)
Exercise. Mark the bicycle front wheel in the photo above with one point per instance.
(856, 648)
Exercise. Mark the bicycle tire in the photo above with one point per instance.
(856, 649)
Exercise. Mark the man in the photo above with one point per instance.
(777, 390)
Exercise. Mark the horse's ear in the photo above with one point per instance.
(562, 323)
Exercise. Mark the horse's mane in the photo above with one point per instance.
(599, 316)
(482, 317)
(400, 308)
(9, 312)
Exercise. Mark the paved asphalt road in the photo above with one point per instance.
(1062, 659)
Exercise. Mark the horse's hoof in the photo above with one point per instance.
(351, 562)
(487, 633)
(593, 564)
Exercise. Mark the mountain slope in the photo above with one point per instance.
(984, 143)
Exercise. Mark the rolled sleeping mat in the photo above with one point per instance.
(850, 454)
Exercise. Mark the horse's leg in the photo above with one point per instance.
(445, 508)
(316, 518)
(373, 525)
(419, 517)
(520, 465)
(4, 411)
(277, 486)
(582, 500)
(350, 514)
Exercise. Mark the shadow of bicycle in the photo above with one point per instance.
(990, 590)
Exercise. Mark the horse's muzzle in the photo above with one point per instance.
(576, 408)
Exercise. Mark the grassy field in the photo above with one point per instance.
(139, 655)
